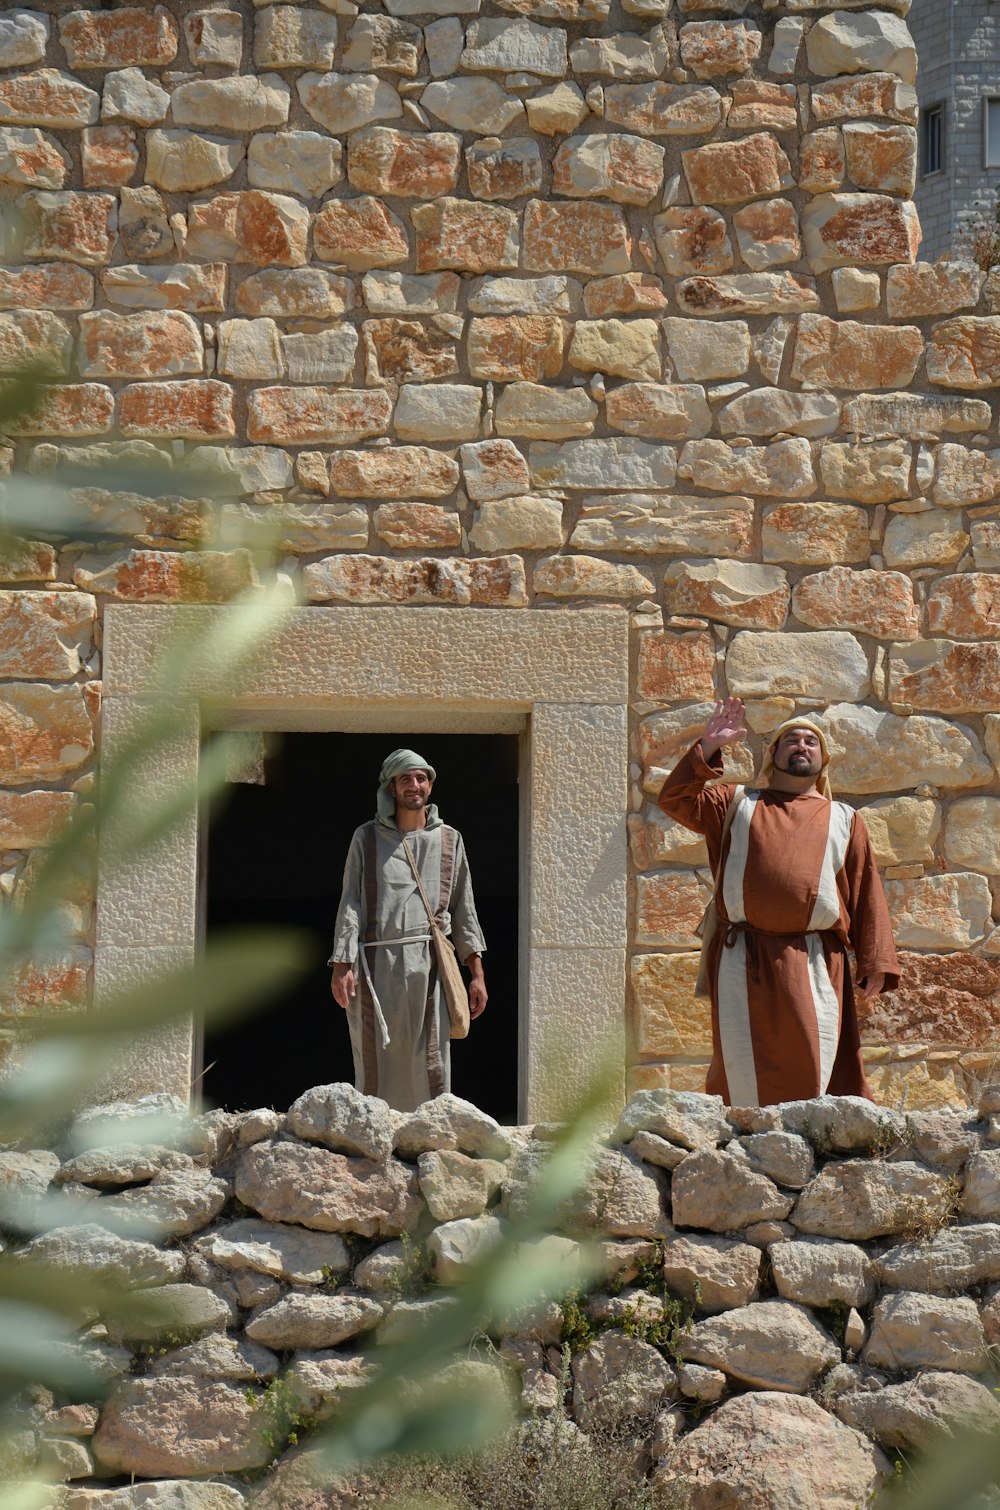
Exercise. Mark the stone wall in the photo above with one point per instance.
(818, 1279)
(531, 304)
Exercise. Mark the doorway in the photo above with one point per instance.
(275, 853)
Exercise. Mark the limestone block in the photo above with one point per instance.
(913, 416)
(30, 159)
(770, 1344)
(214, 1357)
(327, 1191)
(408, 526)
(708, 352)
(625, 55)
(859, 230)
(911, 1331)
(129, 95)
(269, 230)
(674, 666)
(67, 226)
(945, 676)
(747, 294)
(456, 1247)
(503, 46)
(772, 411)
(873, 750)
(955, 1259)
(823, 163)
(981, 1199)
(818, 1273)
(449, 1122)
(659, 411)
(243, 103)
(758, 105)
(557, 109)
(826, 664)
(783, 469)
(590, 239)
(382, 160)
(869, 473)
(34, 820)
(610, 464)
(846, 354)
(494, 470)
(198, 288)
(799, 1444)
(455, 1185)
(655, 839)
(619, 1377)
(589, 577)
(963, 476)
(872, 42)
(675, 526)
(536, 412)
(361, 233)
(214, 37)
(49, 98)
(662, 109)
(473, 105)
(289, 37)
(495, 580)
(878, 94)
(123, 38)
(378, 42)
(729, 173)
(469, 237)
(620, 348)
(438, 412)
(737, 593)
(878, 603)
(857, 1200)
(399, 351)
(165, 344)
(410, 293)
(623, 168)
(47, 733)
(154, 1315)
(965, 352)
(510, 524)
(815, 534)
(693, 239)
(855, 291)
(414, 471)
(714, 1189)
(940, 911)
(972, 834)
(881, 158)
(768, 233)
(669, 908)
(504, 169)
(915, 1415)
(52, 286)
(713, 1273)
(317, 416)
(926, 288)
(516, 348)
(181, 1426)
(24, 37)
(711, 48)
(305, 163)
(313, 1321)
(443, 43)
(554, 295)
(28, 336)
(986, 545)
(964, 606)
(903, 830)
(689, 1121)
(341, 102)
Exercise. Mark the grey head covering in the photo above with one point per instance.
(394, 765)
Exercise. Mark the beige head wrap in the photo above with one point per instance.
(767, 766)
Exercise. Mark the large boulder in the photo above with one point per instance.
(913, 1414)
(296, 1182)
(911, 1330)
(956, 1259)
(683, 1117)
(182, 1428)
(859, 1199)
(165, 1494)
(342, 1118)
(770, 1344)
(716, 1189)
(450, 1122)
(313, 1321)
(105, 1258)
(617, 1195)
(619, 1377)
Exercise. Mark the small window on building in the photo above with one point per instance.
(991, 134)
(932, 136)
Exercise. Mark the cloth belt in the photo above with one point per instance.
(750, 935)
(409, 938)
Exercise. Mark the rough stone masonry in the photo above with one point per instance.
(837, 1268)
(530, 304)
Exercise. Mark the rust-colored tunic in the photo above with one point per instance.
(799, 887)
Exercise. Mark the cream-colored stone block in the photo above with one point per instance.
(903, 830)
(668, 1020)
(577, 999)
(149, 899)
(160, 1061)
(578, 840)
(972, 834)
(825, 665)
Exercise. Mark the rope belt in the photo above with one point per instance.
(750, 935)
(409, 938)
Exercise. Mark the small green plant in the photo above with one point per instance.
(408, 1278)
(332, 1278)
(282, 1417)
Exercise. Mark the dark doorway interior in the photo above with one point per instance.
(275, 855)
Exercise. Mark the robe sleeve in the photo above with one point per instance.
(466, 932)
(868, 911)
(347, 929)
(684, 796)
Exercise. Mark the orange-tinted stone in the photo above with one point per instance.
(45, 733)
(72, 409)
(965, 352)
(575, 238)
(309, 293)
(249, 225)
(608, 165)
(316, 416)
(947, 676)
(381, 160)
(47, 984)
(144, 345)
(847, 354)
(34, 336)
(28, 561)
(693, 240)
(196, 410)
(768, 233)
(418, 526)
(126, 37)
(882, 158)
(34, 820)
(503, 169)
(669, 908)
(624, 294)
(856, 97)
(731, 172)
(52, 286)
(879, 603)
(492, 581)
(45, 634)
(68, 226)
(47, 98)
(744, 595)
(816, 534)
(932, 288)
(110, 156)
(361, 233)
(823, 162)
(198, 287)
(393, 472)
(965, 607)
(719, 47)
(659, 411)
(30, 159)
(759, 106)
(145, 576)
(941, 998)
(660, 109)
(859, 230)
(469, 237)
(510, 348)
(399, 351)
(675, 668)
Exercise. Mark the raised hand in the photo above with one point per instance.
(726, 726)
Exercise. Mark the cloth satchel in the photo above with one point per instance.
(709, 925)
(449, 970)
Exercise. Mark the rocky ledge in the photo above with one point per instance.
(820, 1278)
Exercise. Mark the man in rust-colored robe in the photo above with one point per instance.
(797, 889)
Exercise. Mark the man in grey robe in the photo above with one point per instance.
(384, 969)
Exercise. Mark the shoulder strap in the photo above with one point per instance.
(420, 885)
(447, 864)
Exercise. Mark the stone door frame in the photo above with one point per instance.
(560, 678)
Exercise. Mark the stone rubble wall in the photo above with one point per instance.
(832, 1271)
(530, 304)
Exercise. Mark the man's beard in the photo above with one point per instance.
(799, 765)
(414, 800)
